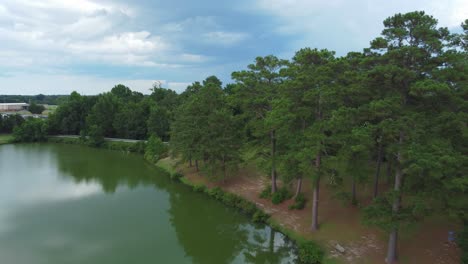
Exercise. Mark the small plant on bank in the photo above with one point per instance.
(310, 253)
(176, 176)
(216, 193)
(260, 217)
(280, 196)
(155, 149)
(266, 193)
(199, 188)
(299, 202)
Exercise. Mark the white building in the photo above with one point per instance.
(11, 107)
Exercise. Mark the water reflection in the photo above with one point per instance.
(146, 219)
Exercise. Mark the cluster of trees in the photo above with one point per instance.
(402, 101)
(9, 122)
(38, 99)
(36, 108)
(119, 113)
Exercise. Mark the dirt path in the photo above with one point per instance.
(341, 224)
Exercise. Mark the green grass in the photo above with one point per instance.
(166, 164)
(5, 138)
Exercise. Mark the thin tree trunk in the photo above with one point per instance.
(190, 162)
(389, 170)
(299, 187)
(315, 198)
(273, 161)
(353, 191)
(224, 170)
(392, 251)
(196, 164)
(377, 172)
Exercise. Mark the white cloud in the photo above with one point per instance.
(39, 34)
(327, 24)
(224, 38)
(32, 84)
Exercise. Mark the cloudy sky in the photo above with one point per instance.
(57, 46)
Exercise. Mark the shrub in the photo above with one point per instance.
(247, 207)
(280, 196)
(266, 193)
(216, 193)
(231, 199)
(310, 253)
(155, 149)
(260, 217)
(95, 136)
(299, 202)
(199, 188)
(176, 176)
(31, 130)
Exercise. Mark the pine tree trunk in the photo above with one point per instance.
(196, 165)
(315, 198)
(224, 170)
(392, 251)
(273, 161)
(353, 191)
(377, 172)
(190, 162)
(389, 171)
(299, 187)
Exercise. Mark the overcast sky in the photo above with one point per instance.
(57, 46)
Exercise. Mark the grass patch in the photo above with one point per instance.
(6, 138)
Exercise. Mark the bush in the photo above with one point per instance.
(176, 176)
(231, 199)
(266, 193)
(216, 193)
(95, 136)
(299, 202)
(310, 253)
(199, 188)
(155, 149)
(280, 196)
(260, 217)
(32, 130)
(247, 207)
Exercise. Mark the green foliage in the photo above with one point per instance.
(299, 202)
(216, 192)
(266, 192)
(9, 122)
(462, 241)
(310, 253)
(260, 217)
(199, 188)
(177, 176)
(281, 195)
(32, 130)
(155, 149)
(35, 108)
(95, 136)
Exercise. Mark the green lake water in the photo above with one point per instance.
(67, 204)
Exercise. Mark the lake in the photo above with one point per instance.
(67, 204)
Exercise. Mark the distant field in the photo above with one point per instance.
(5, 138)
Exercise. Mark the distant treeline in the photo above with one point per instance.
(38, 99)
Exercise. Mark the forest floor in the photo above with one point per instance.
(340, 223)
